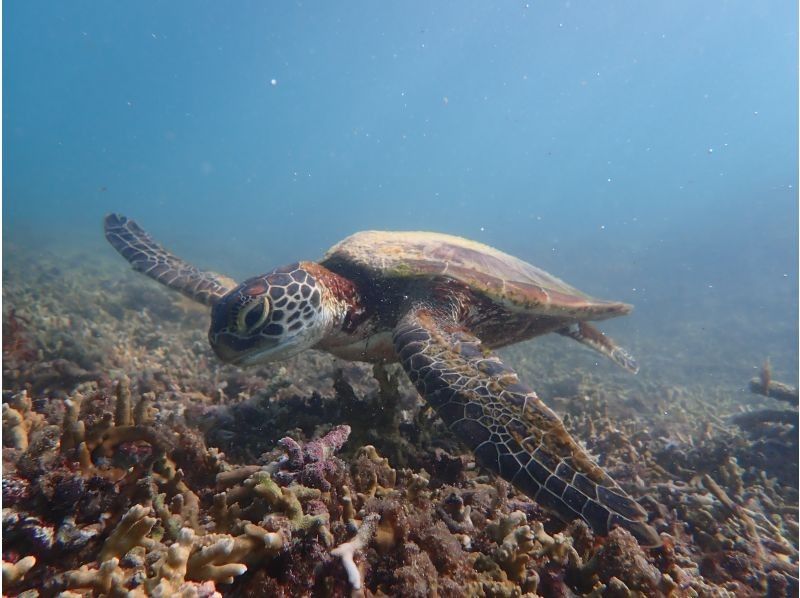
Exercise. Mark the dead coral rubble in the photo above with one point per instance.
(158, 545)
(765, 385)
(135, 464)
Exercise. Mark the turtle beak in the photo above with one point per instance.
(223, 350)
(227, 355)
(233, 338)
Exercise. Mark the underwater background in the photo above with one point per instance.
(643, 152)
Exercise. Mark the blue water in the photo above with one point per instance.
(644, 151)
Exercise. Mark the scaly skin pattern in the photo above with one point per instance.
(432, 326)
(280, 313)
(585, 333)
(150, 258)
(509, 429)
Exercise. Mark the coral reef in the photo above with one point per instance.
(765, 385)
(135, 464)
(347, 551)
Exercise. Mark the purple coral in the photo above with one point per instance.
(314, 462)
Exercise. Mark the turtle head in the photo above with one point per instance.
(270, 317)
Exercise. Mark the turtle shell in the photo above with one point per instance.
(501, 277)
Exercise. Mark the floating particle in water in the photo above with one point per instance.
(273, 82)
(711, 150)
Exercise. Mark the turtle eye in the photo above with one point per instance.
(252, 316)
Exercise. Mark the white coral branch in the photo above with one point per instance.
(347, 551)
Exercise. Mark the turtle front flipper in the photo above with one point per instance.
(150, 258)
(509, 429)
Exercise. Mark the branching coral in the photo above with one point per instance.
(101, 439)
(372, 474)
(313, 463)
(131, 531)
(15, 432)
(123, 488)
(347, 551)
(20, 420)
(217, 561)
(621, 557)
(765, 385)
(515, 542)
(14, 572)
(213, 558)
(557, 547)
(285, 502)
(104, 579)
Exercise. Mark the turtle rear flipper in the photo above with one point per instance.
(592, 337)
(150, 258)
(509, 429)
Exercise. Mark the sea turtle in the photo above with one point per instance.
(438, 304)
